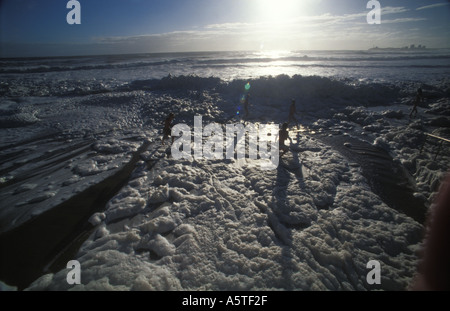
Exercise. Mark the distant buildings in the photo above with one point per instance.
(412, 47)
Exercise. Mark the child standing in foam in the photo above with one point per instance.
(292, 112)
(283, 135)
(167, 132)
(419, 99)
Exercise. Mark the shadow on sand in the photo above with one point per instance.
(289, 172)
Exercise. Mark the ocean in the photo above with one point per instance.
(371, 65)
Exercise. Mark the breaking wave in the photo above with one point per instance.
(436, 58)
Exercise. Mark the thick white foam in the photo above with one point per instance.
(313, 224)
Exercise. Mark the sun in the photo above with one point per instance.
(279, 11)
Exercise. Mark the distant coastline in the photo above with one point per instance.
(412, 47)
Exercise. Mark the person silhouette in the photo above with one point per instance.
(167, 131)
(283, 135)
(417, 101)
(292, 112)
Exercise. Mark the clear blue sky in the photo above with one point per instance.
(39, 27)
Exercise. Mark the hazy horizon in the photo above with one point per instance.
(218, 52)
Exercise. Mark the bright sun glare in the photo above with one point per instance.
(278, 22)
(279, 11)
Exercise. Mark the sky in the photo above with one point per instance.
(40, 28)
